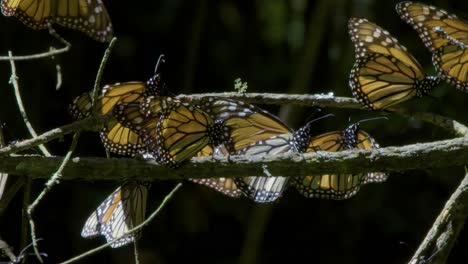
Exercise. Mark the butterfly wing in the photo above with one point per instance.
(327, 186)
(338, 186)
(226, 186)
(365, 141)
(117, 138)
(449, 58)
(265, 189)
(384, 73)
(246, 123)
(123, 210)
(181, 131)
(88, 16)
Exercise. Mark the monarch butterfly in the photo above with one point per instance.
(246, 123)
(115, 137)
(335, 186)
(227, 186)
(173, 131)
(384, 73)
(268, 189)
(123, 210)
(88, 16)
(248, 127)
(449, 57)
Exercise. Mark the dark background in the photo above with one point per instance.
(276, 46)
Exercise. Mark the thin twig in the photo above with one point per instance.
(48, 186)
(133, 230)
(58, 68)
(97, 82)
(7, 251)
(24, 215)
(136, 254)
(14, 82)
(54, 180)
(3, 176)
(52, 51)
(12, 190)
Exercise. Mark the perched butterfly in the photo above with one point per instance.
(123, 210)
(249, 127)
(445, 35)
(384, 73)
(172, 130)
(246, 123)
(226, 186)
(130, 115)
(117, 138)
(269, 189)
(88, 16)
(335, 186)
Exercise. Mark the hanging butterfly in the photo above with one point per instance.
(445, 35)
(115, 137)
(384, 73)
(335, 186)
(88, 16)
(226, 186)
(265, 189)
(123, 210)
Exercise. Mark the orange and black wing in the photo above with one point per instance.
(88, 16)
(445, 35)
(384, 73)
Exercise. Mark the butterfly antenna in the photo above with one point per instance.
(371, 119)
(160, 61)
(434, 254)
(313, 112)
(319, 118)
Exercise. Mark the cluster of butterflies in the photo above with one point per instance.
(386, 74)
(146, 120)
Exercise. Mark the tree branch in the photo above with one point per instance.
(93, 123)
(329, 100)
(446, 228)
(453, 152)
